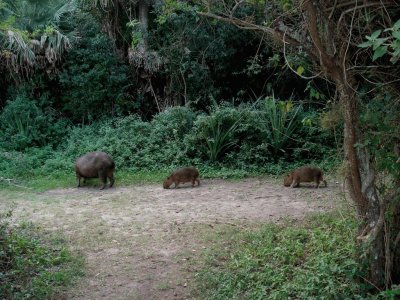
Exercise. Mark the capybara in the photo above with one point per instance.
(188, 174)
(95, 165)
(304, 174)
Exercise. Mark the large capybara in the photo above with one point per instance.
(95, 165)
(304, 174)
(188, 174)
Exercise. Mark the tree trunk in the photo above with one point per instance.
(361, 183)
(360, 166)
(395, 239)
(144, 21)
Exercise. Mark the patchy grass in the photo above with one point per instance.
(33, 266)
(57, 180)
(313, 261)
(61, 179)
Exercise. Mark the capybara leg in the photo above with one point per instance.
(324, 181)
(176, 183)
(103, 179)
(78, 177)
(112, 180)
(317, 184)
(198, 181)
(294, 184)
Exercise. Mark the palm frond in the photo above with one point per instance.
(69, 7)
(30, 33)
(16, 44)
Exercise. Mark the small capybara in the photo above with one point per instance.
(188, 174)
(95, 165)
(304, 174)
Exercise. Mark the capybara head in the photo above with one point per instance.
(287, 180)
(167, 183)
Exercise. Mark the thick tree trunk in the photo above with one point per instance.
(361, 183)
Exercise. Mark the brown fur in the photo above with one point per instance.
(188, 174)
(95, 165)
(304, 174)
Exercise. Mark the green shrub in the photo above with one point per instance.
(24, 164)
(218, 138)
(312, 261)
(31, 268)
(281, 120)
(134, 143)
(24, 124)
(312, 142)
(226, 130)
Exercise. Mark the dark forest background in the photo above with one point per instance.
(159, 91)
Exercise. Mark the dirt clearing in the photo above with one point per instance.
(143, 242)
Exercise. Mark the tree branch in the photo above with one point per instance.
(276, 34)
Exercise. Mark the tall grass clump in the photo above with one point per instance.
(281, 120)
(32, 267)
(316, 260)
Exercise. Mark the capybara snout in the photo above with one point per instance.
(304, 174)
(95, 165)
(187, 174)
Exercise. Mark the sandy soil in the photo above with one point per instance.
(142, 242)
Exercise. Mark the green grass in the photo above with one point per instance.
(34, 266)
(60, 179)
(314, 260)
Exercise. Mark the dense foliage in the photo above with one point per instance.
(104, 92)
(237, 138)
(25, 124)
(94, 80)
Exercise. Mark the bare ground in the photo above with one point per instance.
(143, 242)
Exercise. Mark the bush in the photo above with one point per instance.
(281, 120)
(226, 130)
(254, 135)
(312, 142)
(24, 124)
(134, 143)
